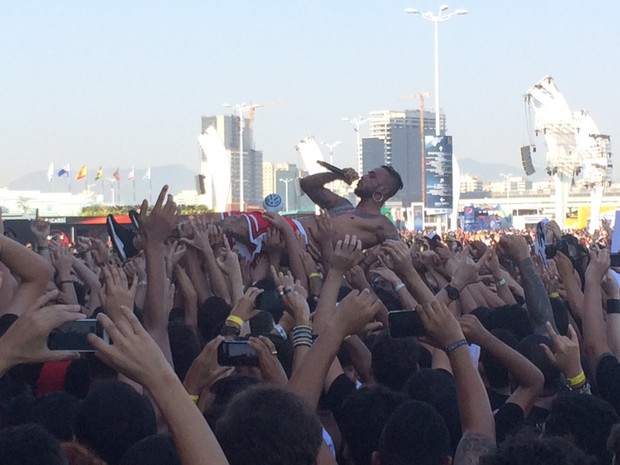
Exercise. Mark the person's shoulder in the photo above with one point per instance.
(472, 447)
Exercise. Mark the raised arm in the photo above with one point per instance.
(314, 187)
(34, 271)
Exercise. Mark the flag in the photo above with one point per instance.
(117, 174)
(64, 171)
(132, 174)
(50, 172)
(82, 173)
(147, 176)
(99, 174)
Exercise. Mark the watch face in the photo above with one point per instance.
(453, 292)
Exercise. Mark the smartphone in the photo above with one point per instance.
(405, 323)
(615, 259)
(72, 335)
(236, 354)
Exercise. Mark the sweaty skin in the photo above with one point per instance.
(364, 220)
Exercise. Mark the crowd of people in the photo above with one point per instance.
(251, 339)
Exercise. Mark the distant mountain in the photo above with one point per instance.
(491, 171)
(178, 177)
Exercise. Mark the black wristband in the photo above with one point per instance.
(613, 306)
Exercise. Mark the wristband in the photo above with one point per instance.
(554, 295)
(194, 398)
(455, 345)
(281, 331)
(235, 319)
(316, 274)
(142, 282)
(577, 380)
(399, 286)
(501, 282)
(613, 306)
(65, 282)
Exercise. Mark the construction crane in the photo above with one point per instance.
(420, 97)
(575, 148)
(253, 107)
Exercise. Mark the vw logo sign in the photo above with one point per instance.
(273, 203)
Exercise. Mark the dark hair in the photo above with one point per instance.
(154, 450)
(511, 317)
(223, 391)
(528, 449)
(586, 419)
(363, 416)
(212, 314)
(397, 180)
(112, 418)
(415, 433)
(265, 425)
(184, 345)
(394, 361)
(29, 445)
(530, 348)
(496, 372)
(56, 412)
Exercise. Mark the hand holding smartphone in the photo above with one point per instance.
(71, 336)
(236, 354)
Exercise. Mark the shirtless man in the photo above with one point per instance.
(364, 220)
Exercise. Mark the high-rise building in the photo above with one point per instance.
(228, 128)
(398, 134)
(280, 178)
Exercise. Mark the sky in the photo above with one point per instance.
(122, 83)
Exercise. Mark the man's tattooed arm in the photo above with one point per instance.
(472, 447)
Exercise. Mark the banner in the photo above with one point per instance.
(438, 166)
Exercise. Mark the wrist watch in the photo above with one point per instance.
(453, 292)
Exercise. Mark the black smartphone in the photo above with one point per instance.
(72, 335)
(615, 259)
(236, 354)
(405, 323)
(271, 301)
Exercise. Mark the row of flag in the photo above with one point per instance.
(65, 172)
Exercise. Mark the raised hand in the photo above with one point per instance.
(350, 175)
(26, 340)
(132, 351)
(245, 308)
(355, 311)
(346, 253)
(116, 291)
(441, 326)
(228, 261)
(40, 230)
(204, 370)
(356, 277)
(399, 254)
(600, 262)
(270, 367)
(514, 247)
(159, 224)
(565, 354)
(466, 271)
(473, 329)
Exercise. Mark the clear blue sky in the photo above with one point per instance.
(125, 82)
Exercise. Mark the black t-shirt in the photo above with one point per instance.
(508, 418)
(608, 379)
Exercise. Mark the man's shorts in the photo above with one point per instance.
(258, 227)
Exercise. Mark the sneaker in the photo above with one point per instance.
(122, 239)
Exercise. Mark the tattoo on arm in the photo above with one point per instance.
(472, 447)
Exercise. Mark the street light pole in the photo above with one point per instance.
(357, 122)
(436, 19)
(286, 181)
(331, 148)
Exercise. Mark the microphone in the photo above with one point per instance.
(332, 168)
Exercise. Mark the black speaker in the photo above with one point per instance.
(526, 160)
(200, 184)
